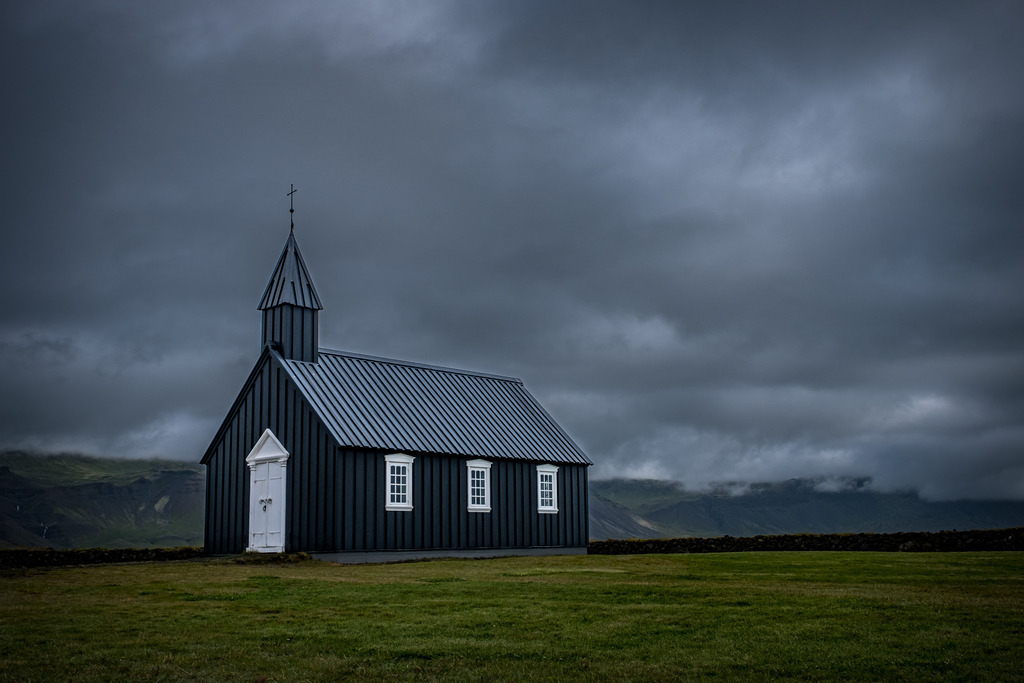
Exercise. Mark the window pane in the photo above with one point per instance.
(547, 489)
(478, 487)
(399, 482)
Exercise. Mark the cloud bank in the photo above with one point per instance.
(739, 242)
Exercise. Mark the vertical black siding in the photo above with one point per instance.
(440, 519)
(294, 329)
(311, 503)
(270, 401)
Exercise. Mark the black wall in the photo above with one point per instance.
(268, 399)
(336, 495)
(295, 331)
(439, 518)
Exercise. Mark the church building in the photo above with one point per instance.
(340, 454)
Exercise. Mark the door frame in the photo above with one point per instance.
(269, 451)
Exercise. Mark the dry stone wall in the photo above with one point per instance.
(940, 541)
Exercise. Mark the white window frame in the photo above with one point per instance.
(478, 466)
(391, 462)
(542, 472)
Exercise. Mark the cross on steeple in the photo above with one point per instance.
(291, 206)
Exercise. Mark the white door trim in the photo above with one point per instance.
(267, 461)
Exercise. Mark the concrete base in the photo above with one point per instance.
(380, 556)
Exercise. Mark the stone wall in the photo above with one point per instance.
(19, 558)
(940, 541)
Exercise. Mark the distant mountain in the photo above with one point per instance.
(796, 506)
(76, 501)
(609, 519)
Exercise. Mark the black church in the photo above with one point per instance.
(339, 453)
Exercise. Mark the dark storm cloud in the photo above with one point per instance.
(740, 241)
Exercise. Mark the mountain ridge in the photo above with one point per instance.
(797, 506)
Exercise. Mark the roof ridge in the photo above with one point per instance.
(414, 364)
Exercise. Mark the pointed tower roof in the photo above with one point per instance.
(290, 283)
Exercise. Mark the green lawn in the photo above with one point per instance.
(642, 617)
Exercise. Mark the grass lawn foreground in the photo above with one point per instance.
(918, 616)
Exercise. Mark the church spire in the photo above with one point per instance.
(291, 306)
(290, 283)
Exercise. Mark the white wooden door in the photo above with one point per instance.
(267, 462)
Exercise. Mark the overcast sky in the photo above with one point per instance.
(718, 241)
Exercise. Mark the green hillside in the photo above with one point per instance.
(67, 469)
(76, 501)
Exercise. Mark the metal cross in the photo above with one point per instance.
(291, 205)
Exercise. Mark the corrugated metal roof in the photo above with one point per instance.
(290, 283)
(384, 403)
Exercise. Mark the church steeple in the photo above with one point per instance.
(291, 307)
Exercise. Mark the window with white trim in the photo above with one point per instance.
(479, 479)
(399, 481)
(547, 488)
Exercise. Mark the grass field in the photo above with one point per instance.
(831, 616)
